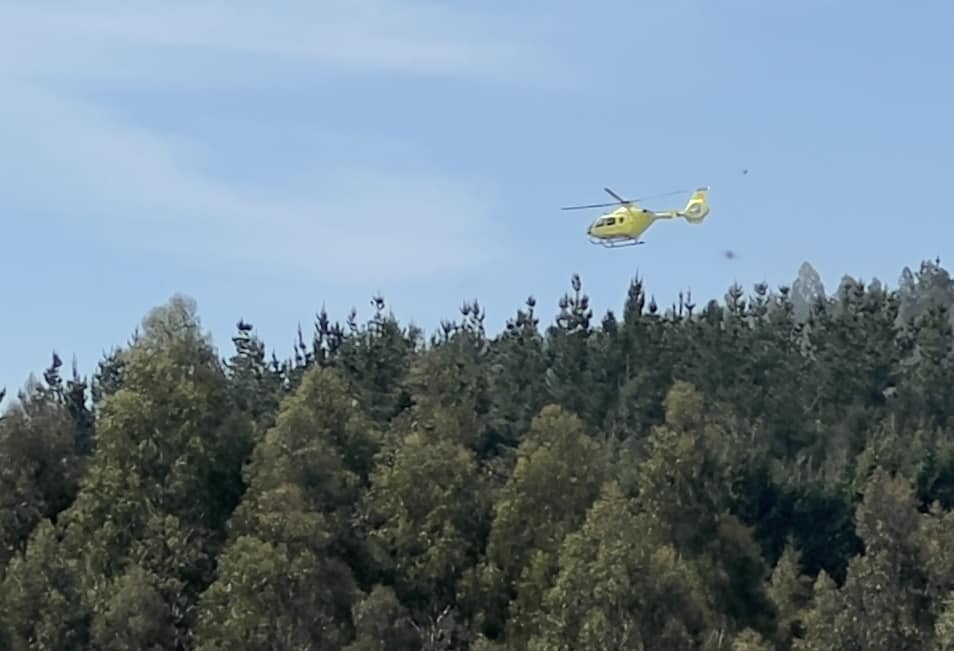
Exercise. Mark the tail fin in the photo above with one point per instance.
(698, 207)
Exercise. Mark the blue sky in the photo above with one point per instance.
(269, 162)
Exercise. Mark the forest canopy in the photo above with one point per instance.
(774, 470)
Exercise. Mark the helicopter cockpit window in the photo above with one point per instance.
(606, 221)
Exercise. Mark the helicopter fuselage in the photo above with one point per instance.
(624, 224)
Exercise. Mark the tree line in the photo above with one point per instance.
(773, 471)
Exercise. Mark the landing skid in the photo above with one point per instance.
(615, 244)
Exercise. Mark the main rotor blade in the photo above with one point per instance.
(591, 205)
(625, 202)
(664, 194)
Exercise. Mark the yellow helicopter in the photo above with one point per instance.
(623, 226)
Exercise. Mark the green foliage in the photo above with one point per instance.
(427, 508)
(620, 585)
(291, 531)
(517, 365)
(41, 463)
(42, 599)
(279, 590)
(531, 518)
(136, 615)
(772, 472)
(382, 623)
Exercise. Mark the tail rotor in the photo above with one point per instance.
(697, 209)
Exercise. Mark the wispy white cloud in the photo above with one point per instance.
(181, 43)
(145, 188)
(138, 188)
